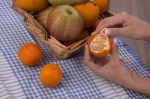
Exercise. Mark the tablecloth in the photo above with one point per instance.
(79, 82)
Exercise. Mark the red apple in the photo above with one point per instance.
(42, 16)
(64, 23)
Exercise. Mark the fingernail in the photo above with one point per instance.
(115, 40)
(92, 33)
(107, 31)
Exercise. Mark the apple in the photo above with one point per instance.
(67, 2)
(42, 16)
(64, 23)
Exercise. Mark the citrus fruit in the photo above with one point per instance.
(32, 5)
(103, 5)
(89, 13)
(50, 75)
(29, 54)
(100, 44)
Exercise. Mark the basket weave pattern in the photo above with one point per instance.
(38, 31)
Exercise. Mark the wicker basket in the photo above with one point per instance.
(38, 31)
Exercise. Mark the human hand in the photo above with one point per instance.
(115, 70)
(125, 25)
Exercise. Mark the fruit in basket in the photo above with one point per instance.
(84, 34)
(64, 23)
(89, 13)
(32, 5)
(68, 2)
(50, 75)
(103, 5)
(93, 27)
(100, 44)
(43, 15)
(29, 54)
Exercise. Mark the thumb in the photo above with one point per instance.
(113, 32)
(115, 49)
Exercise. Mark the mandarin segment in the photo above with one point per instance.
(95, 45)
(100, 44)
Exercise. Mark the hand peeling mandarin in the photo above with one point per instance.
(100, 44)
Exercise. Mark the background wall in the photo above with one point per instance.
(140, 9)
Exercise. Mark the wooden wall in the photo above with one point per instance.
(140, 9)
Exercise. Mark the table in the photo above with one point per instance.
(18, 81)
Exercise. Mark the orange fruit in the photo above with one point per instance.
(50, 75)
(32, 5)
(100, 44)
(89, 13)
(29, 54)
(103, 5)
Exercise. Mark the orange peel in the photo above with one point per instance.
(100, 44)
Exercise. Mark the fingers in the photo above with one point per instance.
(87, 60)
(114, 21)
(111, 12)
(115, 49)
(114, 32)
(86, 54)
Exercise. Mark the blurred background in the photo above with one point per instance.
(140, 9)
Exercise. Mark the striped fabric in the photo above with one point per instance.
(9, 87)
(79, 82)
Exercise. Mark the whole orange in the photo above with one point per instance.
(89, 13)
(29, 54)
(32, 5)
(100, 45)
(50, 75)
(103, 5)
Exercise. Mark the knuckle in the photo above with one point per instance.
(124, 13)
(103, 21)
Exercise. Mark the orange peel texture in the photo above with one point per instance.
(100, 45)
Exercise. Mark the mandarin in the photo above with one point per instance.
(50, 75)
(89, 13)
(29, 54)
(100, 45)
(103, 5)
(32, 5)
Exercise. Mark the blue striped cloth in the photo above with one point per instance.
(79, 82)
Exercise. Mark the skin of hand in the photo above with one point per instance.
(125, 25)
(116, 71)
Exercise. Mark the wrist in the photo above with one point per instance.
(147, 33)
(140, 84)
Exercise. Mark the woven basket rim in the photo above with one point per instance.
(38, 31)
(32, 24)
